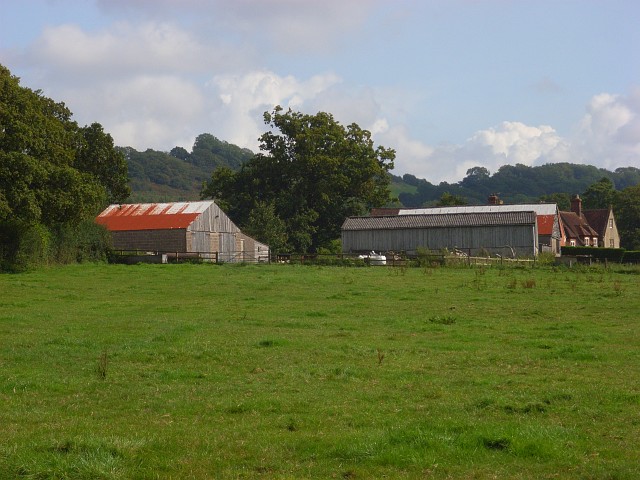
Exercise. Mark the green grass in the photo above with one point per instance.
(282, 371)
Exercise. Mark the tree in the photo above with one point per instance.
(601, 194)
(563, 200)
(39, 181)
(98, 156)
(627, 211)
(52, 172)
(314, 171)
(265, 224)
(449, 200)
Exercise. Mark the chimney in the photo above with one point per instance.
(494, 200)
(576, 205)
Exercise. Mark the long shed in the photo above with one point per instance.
(504, 233)
(181, 227)
(547, 218)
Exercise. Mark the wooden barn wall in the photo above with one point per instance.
(252, 250)
(213, 231)
(213, 219)
(151, 240)
(522, 238)
(227, 247)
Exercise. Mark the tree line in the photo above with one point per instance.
(55, 176)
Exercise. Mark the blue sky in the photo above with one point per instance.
(449, 84)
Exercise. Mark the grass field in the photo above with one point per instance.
(282, 371)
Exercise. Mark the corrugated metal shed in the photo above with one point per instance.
(501, 233)
(151, 216)
(438, 221)
(547, 213)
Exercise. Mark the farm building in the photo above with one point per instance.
(594, 228)
(547, 218)
(182, 228)
(503, 233)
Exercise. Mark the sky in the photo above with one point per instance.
(448, 84)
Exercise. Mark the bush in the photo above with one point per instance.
(610, 254)
(26, 246)
(23, 246)
(631, 256)
(84, 242)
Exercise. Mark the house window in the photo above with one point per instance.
(572, 243)
(586, 241)
(611, 223)
(611, 243)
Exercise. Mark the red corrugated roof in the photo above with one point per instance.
(545, 224)
(151, 216)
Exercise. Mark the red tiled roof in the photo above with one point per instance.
(598, 219)
(151, 216)
(576, 227)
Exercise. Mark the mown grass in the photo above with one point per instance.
(281, 371)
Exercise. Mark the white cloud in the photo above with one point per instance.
(609, 133)
(608, 136)
(125, 49)
(286, 25)
(244, 98)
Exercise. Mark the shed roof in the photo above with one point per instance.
(394, 222)
(151, 216)
(547, 213)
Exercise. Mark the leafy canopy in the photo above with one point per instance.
(311, 173)
(51, 170)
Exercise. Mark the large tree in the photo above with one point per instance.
(54, 175)
(599, 195)
(51, 170)
(627, 211)
(312, 171)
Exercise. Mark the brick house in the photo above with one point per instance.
(590, 228)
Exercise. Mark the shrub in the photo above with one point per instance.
(610, 254)
(23, 246)
(631, 256)
(84, 242)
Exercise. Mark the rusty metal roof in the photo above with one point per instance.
(394, 222)
(151, 216)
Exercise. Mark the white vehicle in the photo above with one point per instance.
(374, 258)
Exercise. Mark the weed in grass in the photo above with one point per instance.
(101, 367)
(512, 284)
(292, 425)
(443, 320)
(480, 282)
(529, 283)
(380, 357)
(500, 443)
(618, 288)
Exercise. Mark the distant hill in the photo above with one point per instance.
(179, 175)
(514, 183)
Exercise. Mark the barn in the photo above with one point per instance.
(503, 233)
(547, 218)
(196, 228)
